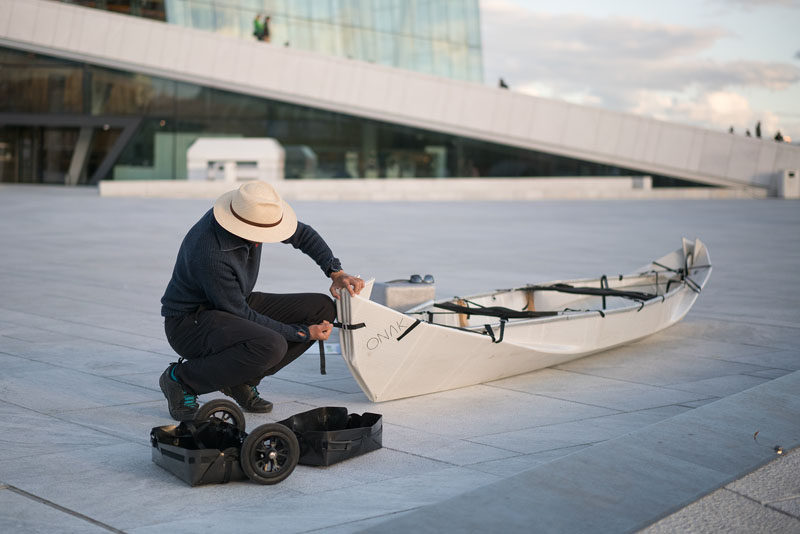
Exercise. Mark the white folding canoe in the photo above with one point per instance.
(460, 342)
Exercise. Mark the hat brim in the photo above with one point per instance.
(283, 230)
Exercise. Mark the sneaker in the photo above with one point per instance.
(248, 398)
(182, 403)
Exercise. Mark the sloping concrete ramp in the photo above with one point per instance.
(627, 483)
(392, 95)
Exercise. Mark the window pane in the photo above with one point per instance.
(384, 16)
(122, 93)
(202, 15)
(300, 34)
(473, 26)
(423, 56)
(299, 9)
(387, 48)
(321, 10)
(457, 17)
(228, 21)
(41, 89)
(422, 18)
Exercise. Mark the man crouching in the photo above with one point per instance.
(228, 336)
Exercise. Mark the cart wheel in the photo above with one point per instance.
(223, 410)
(269, 453)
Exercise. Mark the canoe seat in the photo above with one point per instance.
(494, 311)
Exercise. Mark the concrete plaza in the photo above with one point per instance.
(615, 442)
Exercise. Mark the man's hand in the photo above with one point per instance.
(320, 331)
(341, 279)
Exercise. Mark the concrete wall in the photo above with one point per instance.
(392, 95)
(427, 189)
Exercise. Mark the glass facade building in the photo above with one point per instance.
(439, 37)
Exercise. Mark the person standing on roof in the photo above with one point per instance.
(228, 336)
(258, 28)
(265, 32)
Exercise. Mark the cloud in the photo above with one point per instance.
(720, 108)
(613, 62)
(510, 29)
(755, 4)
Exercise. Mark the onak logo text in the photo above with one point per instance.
(391, 332)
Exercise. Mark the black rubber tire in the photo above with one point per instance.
(221, 409)
(269, 453)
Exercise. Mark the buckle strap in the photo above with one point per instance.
(355, 326)
(322, 357)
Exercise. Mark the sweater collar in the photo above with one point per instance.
(228, 241)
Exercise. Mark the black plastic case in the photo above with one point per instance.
(199, 453)
(329, 435)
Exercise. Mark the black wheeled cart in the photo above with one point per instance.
(214, 448)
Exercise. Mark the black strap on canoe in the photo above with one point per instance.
(683, 272)
(494, 311)
(604, 285)
(597, 291)
(409, 329)
(490, 331)
(355, 326)
(322, 357)
(336, 324)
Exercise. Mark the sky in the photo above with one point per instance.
(709, 63)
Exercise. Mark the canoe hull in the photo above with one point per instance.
(389, 361)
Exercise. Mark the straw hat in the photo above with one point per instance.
(256, 212)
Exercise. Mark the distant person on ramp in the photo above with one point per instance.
(228, 336)
(258, 28)
(265, 34)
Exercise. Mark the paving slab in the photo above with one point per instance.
(780, 360)
(722, 386)
(767, 500)
(598, 391)
(636, 364)
(726, 511)
(27, 433)
(443, 448)
(776, 485)
(50, 389)
(523, 462)
(88, 356)
(22, 513)
(574, 433)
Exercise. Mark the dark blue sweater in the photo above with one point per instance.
(217, 270)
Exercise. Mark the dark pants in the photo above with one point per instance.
(222, 349)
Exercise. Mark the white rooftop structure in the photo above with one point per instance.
(237, 158)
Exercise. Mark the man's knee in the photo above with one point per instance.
(265, 351)
(324, 309)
